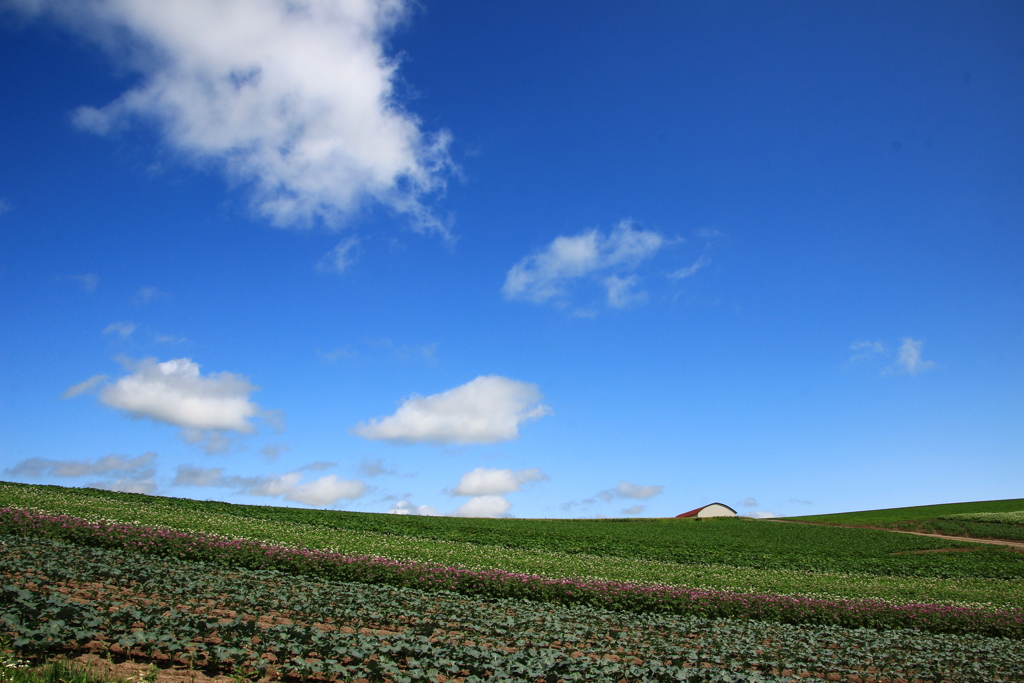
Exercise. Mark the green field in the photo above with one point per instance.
(490, 634)
(997, 519)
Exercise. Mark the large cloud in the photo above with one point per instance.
(176, 393)
(483, 481)
(326, 490)
(546, 275)
(487, 409)
(295, 99)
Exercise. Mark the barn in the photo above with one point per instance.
(713, 510)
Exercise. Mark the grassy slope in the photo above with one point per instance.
(732, 554)
(933, 519)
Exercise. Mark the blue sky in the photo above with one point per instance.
(531, 259)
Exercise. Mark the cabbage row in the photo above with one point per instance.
(59, 597)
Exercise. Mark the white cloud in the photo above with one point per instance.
(83, 387)
(5, 206)
(909, 359)
(483, 506)
(621, 291)
(189, 475)
(122, 328)
(750, 502)
(295, 100)
(547, 275)
(144, 485)
(326, 490)
(340, 257)
(147, 294)
(483, 481)
(89, 282)
(375, 468)
(176, 393)
(628, 490)
(690, 270)
(111, 464)
(271, 451)
(404, 507)
(863, 350)
(487, 409)
(763, 514)
(634, 510)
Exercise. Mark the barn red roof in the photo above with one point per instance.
(693, 513)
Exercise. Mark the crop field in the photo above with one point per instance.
(261, 592)
(997, 519)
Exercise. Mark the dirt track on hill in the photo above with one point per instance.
(1016, 545)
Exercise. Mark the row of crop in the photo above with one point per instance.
(737, 543)
(204, 615)
(617, 595)
(713, 573)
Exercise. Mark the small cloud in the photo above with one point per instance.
(326, 490)
(763, 514)
(146, 295)
(168, 339)
(750, 502)
(691, 270)
(404, 507)
(484, 482)
(485, 410)
(37, 468)
(483, 506)
(801, 502)
(318, 466)
(863, 350)
(5, 206)
(547, 275)
(124, 329)
(376, 468)
(89, 282)
(634, 510)
(144, 485)
(338, 259)
(338, 353)
(189, 475)
(628, 490)
(271, 451)
(83, 387)
(621, 291)
(909, 359)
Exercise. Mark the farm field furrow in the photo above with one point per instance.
(978, 576)
(62, 597)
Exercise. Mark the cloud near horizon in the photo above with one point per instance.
(628, 490)
(321, 492)
(483, 481)
(296, 101)
(133, 475)
(483, 506)
(548, 274)
(487, 409)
